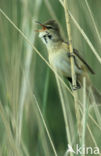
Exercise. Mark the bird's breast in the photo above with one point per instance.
(60, 61)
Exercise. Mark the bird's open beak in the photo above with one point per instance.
(43, 27)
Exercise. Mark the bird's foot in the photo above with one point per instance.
(75, 87)
(71, 54)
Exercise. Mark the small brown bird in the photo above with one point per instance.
(59, 56)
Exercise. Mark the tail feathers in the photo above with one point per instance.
(97, 95)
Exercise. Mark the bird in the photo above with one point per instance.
(59, 56)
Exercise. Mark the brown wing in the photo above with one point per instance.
(82, 60)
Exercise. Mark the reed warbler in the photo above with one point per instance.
(59, 56)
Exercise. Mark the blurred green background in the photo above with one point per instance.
(23, 73)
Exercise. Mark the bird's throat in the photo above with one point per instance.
(52, 42)
(49, 41)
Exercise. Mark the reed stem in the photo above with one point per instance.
(72, 67)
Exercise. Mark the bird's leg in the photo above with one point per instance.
(71, 55)
(74, 87)
(77, 86)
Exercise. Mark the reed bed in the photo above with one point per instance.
(38, 115)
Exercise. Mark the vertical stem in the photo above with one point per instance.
(70, 42)
(64, 113)
(72, 68)
(84, 113)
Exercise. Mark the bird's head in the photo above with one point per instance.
(50, 32)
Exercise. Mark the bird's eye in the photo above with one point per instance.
(50, 27)
(50, 36)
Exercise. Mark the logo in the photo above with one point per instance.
(82, 150)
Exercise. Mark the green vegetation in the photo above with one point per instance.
(37, 111)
